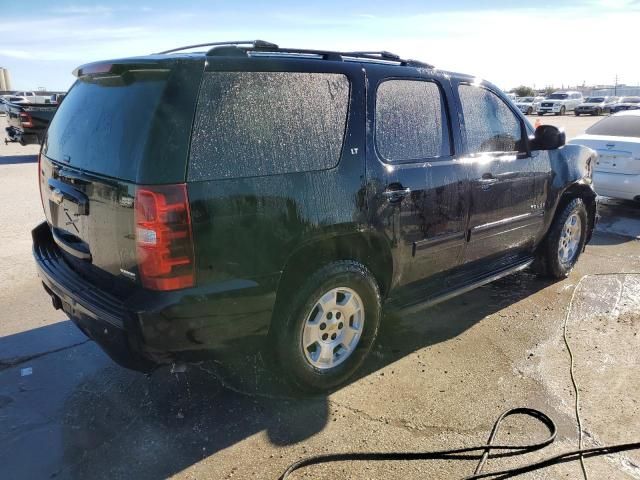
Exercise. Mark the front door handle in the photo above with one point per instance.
(396, 195)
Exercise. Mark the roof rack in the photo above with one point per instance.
(255, 44)
(263, 47)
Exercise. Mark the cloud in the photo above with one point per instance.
(584, 41)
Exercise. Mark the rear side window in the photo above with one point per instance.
(104, 122)
(490, 124)
(265, 123)
(411, 121)
(618, 126)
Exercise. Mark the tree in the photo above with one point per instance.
(549, 90)
(524, 91)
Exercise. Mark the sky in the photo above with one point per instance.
(542, 43)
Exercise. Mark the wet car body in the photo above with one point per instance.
(427, 228)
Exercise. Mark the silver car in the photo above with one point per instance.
(529, 105)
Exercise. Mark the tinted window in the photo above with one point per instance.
(594, 100)
(103, 124)
(630, 100)
(558, 96)
(621, 126)
(264, 123)
(411, 121)
(491, 126)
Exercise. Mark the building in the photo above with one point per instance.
(5, 81)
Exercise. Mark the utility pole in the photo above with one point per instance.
(615, 88)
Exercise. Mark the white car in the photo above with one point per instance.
(617, 140)
(559, 103)
(529, 105)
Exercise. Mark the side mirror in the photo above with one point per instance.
(547, 137)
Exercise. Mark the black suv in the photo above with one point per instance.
(196, 201)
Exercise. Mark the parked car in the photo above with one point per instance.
(237, 199)
(596, 105)
(529, 105)
(30, 97)
(617, 141)
(559, 103)
(626, 103)
(26, 122)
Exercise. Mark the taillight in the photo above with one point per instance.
(25, 120)
(164, 245)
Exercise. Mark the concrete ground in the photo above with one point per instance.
(436, 379)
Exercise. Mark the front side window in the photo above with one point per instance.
(268, 123)
(411, 121)
(490, 124)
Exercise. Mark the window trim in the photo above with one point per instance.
(446, 110)
(524, 131)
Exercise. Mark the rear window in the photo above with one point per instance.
(266, 123)
(619, 126)
(103, 124)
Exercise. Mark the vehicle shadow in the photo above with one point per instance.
(115, 423)
(18, 159)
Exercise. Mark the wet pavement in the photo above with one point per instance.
(436, 379)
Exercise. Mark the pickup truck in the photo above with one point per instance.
(27, 123)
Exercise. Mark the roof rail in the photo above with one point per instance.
(264, 47)
(255, 44)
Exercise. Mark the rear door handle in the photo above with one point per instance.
(396, 194)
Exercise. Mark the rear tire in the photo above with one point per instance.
(336, 312)
(565, 240)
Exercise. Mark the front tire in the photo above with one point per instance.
(561, 112)
(529, 111)
(565, 240)
(325, 330)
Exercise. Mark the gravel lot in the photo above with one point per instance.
(437, 379)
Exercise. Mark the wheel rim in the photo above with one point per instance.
(570, 239)
(333, 328)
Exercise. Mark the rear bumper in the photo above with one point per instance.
(148, 328)
(99, 315)
(617, 185)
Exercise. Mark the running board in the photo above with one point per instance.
(459, 291)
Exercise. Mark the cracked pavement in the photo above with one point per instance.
(436, 379)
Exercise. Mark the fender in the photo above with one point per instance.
(572, 176)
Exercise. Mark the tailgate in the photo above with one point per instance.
(123, 124)
(91, 218)
(617, 161)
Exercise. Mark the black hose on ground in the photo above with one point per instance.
(464, 453)
(507, 450)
